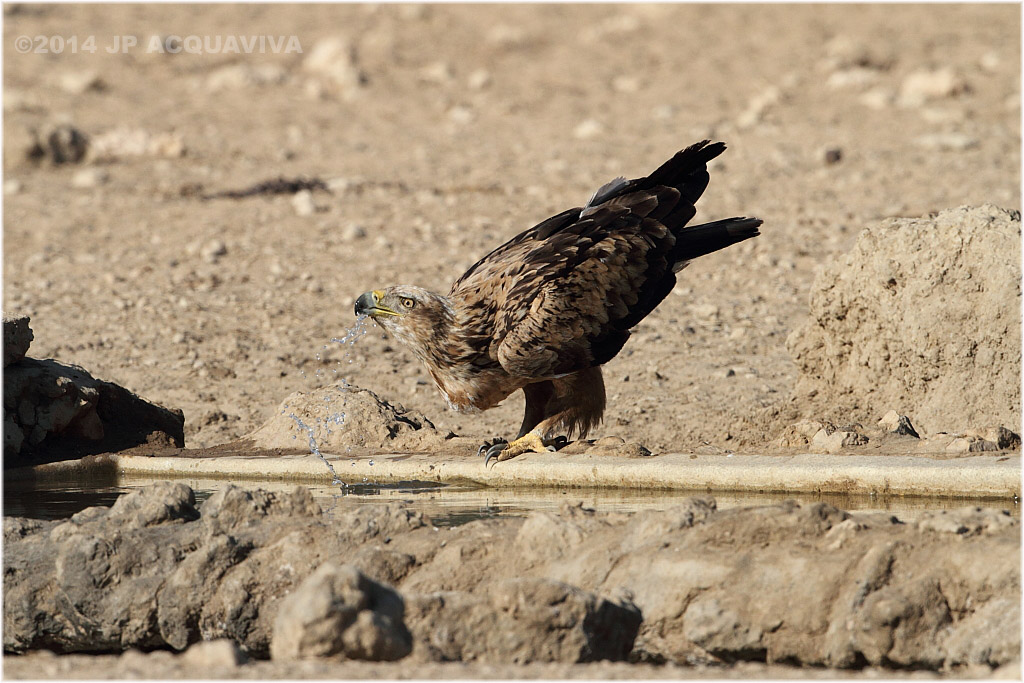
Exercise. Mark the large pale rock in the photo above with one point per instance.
(522, 621)
(337, 418)
(922, 314)
(339, 612)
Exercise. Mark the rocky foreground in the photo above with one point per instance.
(789, 584)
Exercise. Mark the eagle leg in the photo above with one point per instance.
(528, 443)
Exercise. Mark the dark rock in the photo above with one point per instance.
(58, 412)
(17, 338)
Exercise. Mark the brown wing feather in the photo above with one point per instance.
(563, 295)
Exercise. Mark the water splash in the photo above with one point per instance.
(333, 420)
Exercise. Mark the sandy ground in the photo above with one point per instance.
(451, 129)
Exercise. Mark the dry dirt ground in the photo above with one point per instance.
(441, 131)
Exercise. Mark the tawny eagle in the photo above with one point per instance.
(544, 311)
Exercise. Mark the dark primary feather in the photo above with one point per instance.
(563, 295)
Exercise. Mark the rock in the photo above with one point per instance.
(339, 417)
(79, 82)
(929, 84)
(479, 79)
(877, 98)
(353, 232)
(62, 412)
(970, 444)
(123, 142)
(62, 144)
(856, 77)
(967, 521)
(758, 107)
(898, 424)
(334, 60)
(302, 202)
(955, 142)
(89, 178)
(522, 621)
(834, 441)
(922, 313)
(245, 75)
(213, 250)
(588, 129)
(213, 654)
(1002, 437)
(12, 186)
(808, 584)
(722, 632)
(17, 338)
(337, 611)
(832, 156)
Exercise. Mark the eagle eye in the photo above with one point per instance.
(407, 302)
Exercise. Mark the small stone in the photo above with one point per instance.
(12, 186)
(213, 654)
(833, 155)
(89, 178)
(852, 78)
(588, 130)
(479, 79)
(334, 60)
(1003, 437)
(17, 338)
(626, 84)
(440, 73)
(213, 250)
(837, 440)
(877, 98)
(929, 84)
(461, 115)
(64, 144)
(302, 202)
(990, 61)
(898, 424)
(952, 142)
(78, 82)
(353, 232)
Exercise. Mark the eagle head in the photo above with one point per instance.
(415, 316)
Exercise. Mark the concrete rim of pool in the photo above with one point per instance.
(991, 476)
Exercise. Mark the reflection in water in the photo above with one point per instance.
(455, 505)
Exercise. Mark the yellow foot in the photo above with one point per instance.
(530, 443)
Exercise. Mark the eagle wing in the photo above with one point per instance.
(563, 295)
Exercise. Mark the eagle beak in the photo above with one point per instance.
(368, 303)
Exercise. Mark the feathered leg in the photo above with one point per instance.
(575, 405)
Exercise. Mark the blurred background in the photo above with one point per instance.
(415, 138)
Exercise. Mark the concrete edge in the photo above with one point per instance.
(990, 476)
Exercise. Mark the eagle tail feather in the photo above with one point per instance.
(699, 240)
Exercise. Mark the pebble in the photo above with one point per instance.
(837, 440)
(877, 98)
(626, 84)
(353, 232)
(302, 202)
(929, 84)
(588, 130)
(951, 142)
(479, 79)
(898, 424)
(857, 77)
(89, 178)
(12, 186)
(334, 60)
(832, 155)
(213, 250)
(78, 82)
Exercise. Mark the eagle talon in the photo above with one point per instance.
(529, 443)
(488, 445)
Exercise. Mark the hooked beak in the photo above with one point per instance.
(368, 303)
